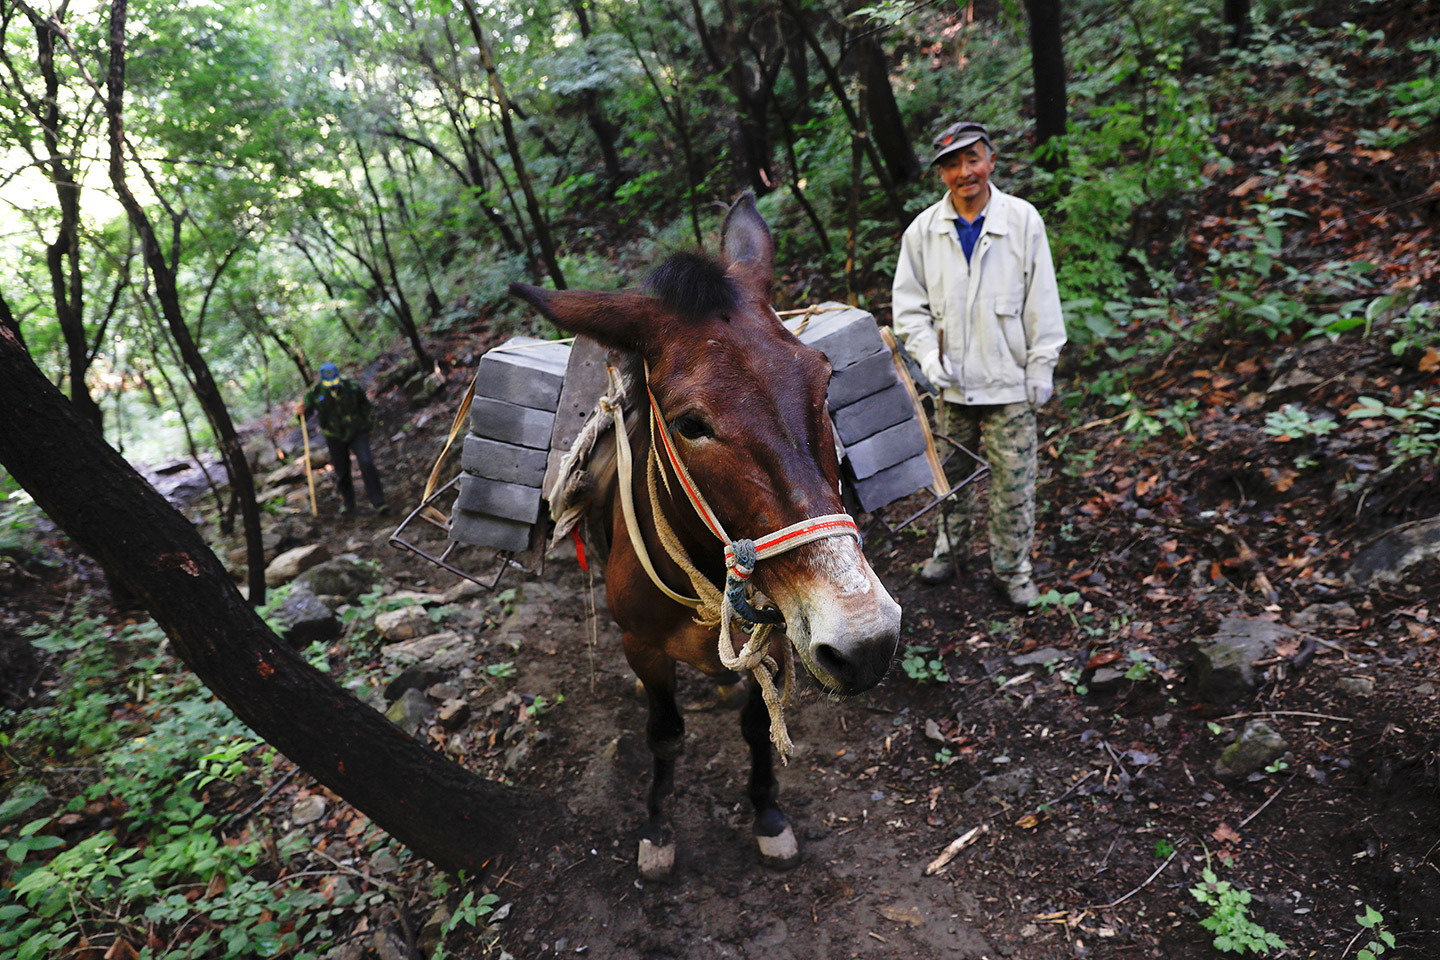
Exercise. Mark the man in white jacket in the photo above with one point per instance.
(975, 302)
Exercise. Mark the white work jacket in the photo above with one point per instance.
(998, 316)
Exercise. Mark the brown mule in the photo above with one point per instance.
(742, 402)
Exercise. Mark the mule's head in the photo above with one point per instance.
(744, 402)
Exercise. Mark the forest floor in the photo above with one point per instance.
(1094, 800)
(1099, 803)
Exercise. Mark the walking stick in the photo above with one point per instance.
(309, 476)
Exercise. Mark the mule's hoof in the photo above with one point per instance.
(780, 852)
(656, 861)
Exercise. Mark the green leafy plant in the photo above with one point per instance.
(1163, 849)
(918, 664)
(1229, 917)
(1291, 421)
(1381, 939)
(1417, 422)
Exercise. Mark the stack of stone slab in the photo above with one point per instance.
(512, 418)
(519, 421)
(874, 414)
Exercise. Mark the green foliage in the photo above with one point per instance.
(1291, 421)
(164, 868)
(1229, 917)
(919, 664)
(1417, 423)
(1381, 939)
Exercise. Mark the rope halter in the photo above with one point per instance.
(741, 557)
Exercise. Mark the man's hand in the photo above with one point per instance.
(1038, 393)
(936, 367)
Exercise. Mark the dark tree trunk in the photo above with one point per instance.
(169, 296)
(512, 145)
(435, 807)
(399, 303)
(886, 124)
(63, 255)
(1237, 18)
(1047, 59)
(607, 134)
(857, 122)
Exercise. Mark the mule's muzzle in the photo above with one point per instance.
(856, 667)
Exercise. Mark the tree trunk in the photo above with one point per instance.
(169, 296)
(532, 204)
(606, 133)
(885, 122)
(857, 125)
(1237, 18)
(1047, 61)
(435, 807)
(63, 255)
(404, 316)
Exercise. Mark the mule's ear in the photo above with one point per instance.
(746, 240)
(619, 320)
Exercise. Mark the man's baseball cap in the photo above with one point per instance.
(958, 136)
(329, 374)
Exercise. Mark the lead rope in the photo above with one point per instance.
(741, 556)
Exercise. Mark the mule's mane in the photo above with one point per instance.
(692, 285)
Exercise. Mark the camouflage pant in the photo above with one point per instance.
(1010, 449)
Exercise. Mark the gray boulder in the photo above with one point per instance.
(1224, 665)
(410, 712)
(1258, 746)
(305, 619)
(1385, 560)
(346, 576)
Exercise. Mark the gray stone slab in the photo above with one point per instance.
(524, 371)
(892, 483)
(869, 415)
(510, 501)
(885, 449)
(496, 460)
(511, 423)
(844, 336)
(486, 531)
(860, 379)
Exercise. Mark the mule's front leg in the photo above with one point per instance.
(778, 847)
(665, 732)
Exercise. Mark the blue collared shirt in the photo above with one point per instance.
(968, 233)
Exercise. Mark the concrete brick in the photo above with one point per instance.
(869, 415)
(524, 371)
(508, 500)
(495, 460)
(862, 378)
(886, 448)
(511, 423)
(892, 483)
(844, 336)
(486, 531)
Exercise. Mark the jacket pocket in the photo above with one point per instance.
(1012, 330)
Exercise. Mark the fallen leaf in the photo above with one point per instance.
(1224, 834)
(1430, 361)
(1030, 821)
(1247, 186)
(1102, 658)
(906, 915)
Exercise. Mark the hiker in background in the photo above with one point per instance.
(976, 303)
(343, 409)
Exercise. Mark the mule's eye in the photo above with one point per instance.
(692, 427)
